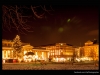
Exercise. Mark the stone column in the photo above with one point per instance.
(48, 54)
(42, 54)
(6, 54)
(12, 53)
(36, 53)
(2, 54)
(58, 52)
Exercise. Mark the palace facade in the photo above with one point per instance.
(56, 52)
(91, 50)
(61, 51)
(7, 50)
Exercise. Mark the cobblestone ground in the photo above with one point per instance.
(48, 67)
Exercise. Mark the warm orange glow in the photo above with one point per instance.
(58, 53)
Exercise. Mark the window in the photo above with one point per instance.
(4, 53)
(61, 44)
(59, 52)
(9, 45)
(56, 52)
(8, 54)
(4, 45)
(53, 53)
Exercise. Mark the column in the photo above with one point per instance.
(59, 52)
(43, 55)
(36, 53)
(2, 54)
(12, 53)
(48, 54)
(6, 54)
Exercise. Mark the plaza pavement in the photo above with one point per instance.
(49, 66)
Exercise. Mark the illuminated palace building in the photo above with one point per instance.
(91, 50)
(7, 51)
(60, 52)
(56, 52)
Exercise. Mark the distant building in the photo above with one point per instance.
(60, 50)
(91, 50)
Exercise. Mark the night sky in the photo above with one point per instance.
(67, 24)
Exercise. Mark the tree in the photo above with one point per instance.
(17, 45)
(16, 16)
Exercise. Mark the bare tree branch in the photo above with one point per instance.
(14, 18)
(48, 11)
(35, 13)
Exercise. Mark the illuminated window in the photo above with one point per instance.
(4, 53)
(59, 52)
(8, 53)
(53, 50)
(25, 52)
(61, 44)
(53, 53)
